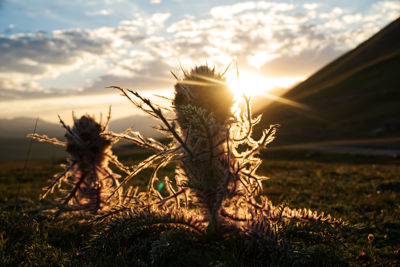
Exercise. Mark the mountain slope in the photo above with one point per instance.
(143, 124)
(21, 126)
(355, 96)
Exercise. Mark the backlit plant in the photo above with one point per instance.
(212, 203)
(87, 182)
(216, 154)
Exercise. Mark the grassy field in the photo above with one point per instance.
(17, 149)
(364, 191)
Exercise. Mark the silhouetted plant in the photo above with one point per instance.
(212, 203)
(212, 172)
(215, 188)
(89, 182)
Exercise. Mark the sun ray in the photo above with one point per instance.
(254, 85)
(286, 101)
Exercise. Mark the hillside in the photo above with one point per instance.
(143, 124)
(20, 127)
(355, 96)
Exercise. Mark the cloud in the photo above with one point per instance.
(38, 53)
(232, 10)
(390, 9)
(153, 74)
(17, 88)
(274, 38)
(102, 12)
(28, 59)
(282, 38)
(353, 18)
(41, 53)
(311, 6)
(255, 33)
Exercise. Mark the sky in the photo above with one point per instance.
(57, 56)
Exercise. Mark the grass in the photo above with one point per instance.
(358, 189)
(17, 148)
(364, 191)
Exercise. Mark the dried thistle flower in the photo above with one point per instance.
(89, 182)
(204, 88)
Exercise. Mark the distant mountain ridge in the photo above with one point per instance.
(143, 124)
(19, 127)
(355, 96)
(15, 145)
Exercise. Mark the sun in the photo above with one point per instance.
(256, 86)
(247, 83)
(253, 84)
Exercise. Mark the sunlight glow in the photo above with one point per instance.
(252, 84)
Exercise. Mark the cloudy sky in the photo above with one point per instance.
(57, 56)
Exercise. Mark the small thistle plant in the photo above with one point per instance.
(89, 182)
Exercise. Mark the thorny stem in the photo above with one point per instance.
(98, 187)
(250, 127)
(143, 165)
(138, 140)
(157, 112)
(164, 200)
(210, 142)
(56, 180)
(166, 123)
(73, 192)
(224, 213)
(154, 174)
(224, 186)
(118, 164)
(108, 118)
(45, 138)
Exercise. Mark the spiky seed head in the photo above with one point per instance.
(203, 87)
(85, 139)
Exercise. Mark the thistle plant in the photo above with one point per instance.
(203, 104)
(216, 155)
(87, 182)
(214, 194)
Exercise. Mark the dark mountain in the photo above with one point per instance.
(143, 124)
(355, 96)
(20, 127)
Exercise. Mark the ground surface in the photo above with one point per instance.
(364, 190)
